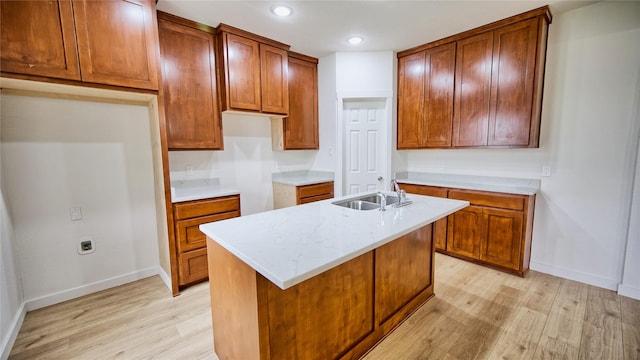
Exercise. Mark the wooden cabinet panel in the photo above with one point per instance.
(189, 86)
(473, 83)
(314, 189)
(411, 82)
(512, 86)
(438, 117)
(324, 316)
(274, 80)
(501, 245)
(38, 38)
(410, 254)
(301, 126)
(465, 231)
(117, 42)
(242, 69)
(489, 199)
(193, 266)
(189, 242)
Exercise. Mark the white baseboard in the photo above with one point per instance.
(629, 291)
(12, 334)
(166, 279)
(578, 276)
(73, 293)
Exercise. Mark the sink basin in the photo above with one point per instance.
(366, 202)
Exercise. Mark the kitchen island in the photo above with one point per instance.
(319, 281)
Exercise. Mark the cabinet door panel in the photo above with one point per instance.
(501, 245)
(438, 117)
(274, 81)
(243, 73)
(465, 229)
(473, 82)
(411, 77)
(117, 42)
(514, 60)
(188, 232)
(189, 87)
(440, 226)
(38, 38)
(301, 126)
(193, 266)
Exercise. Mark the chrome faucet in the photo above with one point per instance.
(395, 187)
(383, 201)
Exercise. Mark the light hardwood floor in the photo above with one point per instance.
(477, 313)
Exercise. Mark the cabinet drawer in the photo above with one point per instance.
(193, 266)
(424, 190)
(314, 190)
(206, 207)
(315, 198)
(489, 199)
(189, 235)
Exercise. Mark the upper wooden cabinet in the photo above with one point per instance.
(499, 73)
(189, 91)
(253, 72)
(301, 126)
(425, 97)
(101, 42)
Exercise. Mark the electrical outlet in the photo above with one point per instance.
(75, 213)
(86, 245)
(189, 170)
(546, 170)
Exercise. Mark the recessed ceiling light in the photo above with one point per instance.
(281, 10)
(355, 40)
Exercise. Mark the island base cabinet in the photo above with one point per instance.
(338, 314)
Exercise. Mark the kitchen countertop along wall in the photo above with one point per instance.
(301, 178)
(472, 182)
(196, 189)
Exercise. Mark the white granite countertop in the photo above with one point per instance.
(196, 189)
(472, 182)
(290, 245)
(300, 178)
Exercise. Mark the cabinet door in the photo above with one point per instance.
(473, 83)
(465, 230)
(193, 266)
(242, 60)
(189, 87)
(512, 84)
(440, 226)
(438, 107)
(274, 80)
(38, 38)
(411, 78)
(301, 126)
(117, 42)
(501, 244)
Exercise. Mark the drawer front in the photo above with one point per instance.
(424, 190)
(315, 198)
(489, 199)
(193, 266)
(188, 235)
(315, 190)
(206, 207)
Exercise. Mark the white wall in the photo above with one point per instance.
(327, 113)
(246, 163)
(60, 153)
(11, 299)
(630, 285)
(589, 136)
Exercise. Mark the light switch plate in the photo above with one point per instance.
(75, 213)
(546, 170)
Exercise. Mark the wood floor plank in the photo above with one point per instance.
(477, 313)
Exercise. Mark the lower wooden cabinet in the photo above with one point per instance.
(191, 244)
(289, 195)
(495, 230)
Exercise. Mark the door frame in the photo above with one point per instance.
(345, 96)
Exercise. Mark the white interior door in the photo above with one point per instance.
(365, 122)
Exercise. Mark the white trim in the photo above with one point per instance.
(611, 284)
(359, 94)
(166, 279)
(14, 329)
(629, 291)
(76, 292)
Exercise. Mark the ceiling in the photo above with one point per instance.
(319, 28)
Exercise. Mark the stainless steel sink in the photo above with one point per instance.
(366, 202)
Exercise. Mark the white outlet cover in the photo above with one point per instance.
(546, 170)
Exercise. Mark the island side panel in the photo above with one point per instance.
(323, 317)
(234, 305)
(404, 276)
